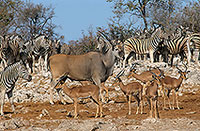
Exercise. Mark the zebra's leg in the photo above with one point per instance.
(27, 66)
(45, 62)
(2, 98)
(196, 55)
(130, 60)
(172, 58)
(125, 59)
(10, 98)
(40, 64)
(151, 55)
(33, 57)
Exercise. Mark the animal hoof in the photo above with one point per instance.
(63, 102)
(51, 102)
(165, 108)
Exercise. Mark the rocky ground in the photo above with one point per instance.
(33, 111)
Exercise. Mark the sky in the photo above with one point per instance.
(76, 16)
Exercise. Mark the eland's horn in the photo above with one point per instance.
(103, 34)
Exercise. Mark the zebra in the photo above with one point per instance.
(177, 46)
(42, 48)
(37, 48)
(9, 51)
(8, 78)
(142, 46)
(194, 40)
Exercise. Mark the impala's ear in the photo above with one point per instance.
(153, 76)
(188, 72)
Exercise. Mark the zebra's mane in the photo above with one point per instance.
(16, 63)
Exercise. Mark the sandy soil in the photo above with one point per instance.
(34, 113)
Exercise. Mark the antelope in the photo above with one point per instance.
(92, 66)
(145, 76)
(132, 89)
(151, 93)
(170, 83)
(87, 91)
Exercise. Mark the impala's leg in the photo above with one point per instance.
(75, 107)
(138, 103)
(106, 89)
(156, 109)
(148, 100)
(61, 96)
(95, 98)
(10, 94)
(173, 99)
(2, 97)
(151, 111)
(51, 91)
(129, 105)
(177, 100)
(98, 83)
(141, 102)
(169, 99)
(164, 101)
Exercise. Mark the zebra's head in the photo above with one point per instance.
(23, 72)
(159, 31)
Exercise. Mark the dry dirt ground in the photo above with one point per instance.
(43, 116)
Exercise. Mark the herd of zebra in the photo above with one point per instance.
(13, 48)
(183, 43)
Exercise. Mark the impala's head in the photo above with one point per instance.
(183, 73)
(132, 70)
(157, 78)
(117, 78)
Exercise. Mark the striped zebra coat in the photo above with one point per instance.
(177, 46)
(8, 78)
(142, 46)
(194, 40)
